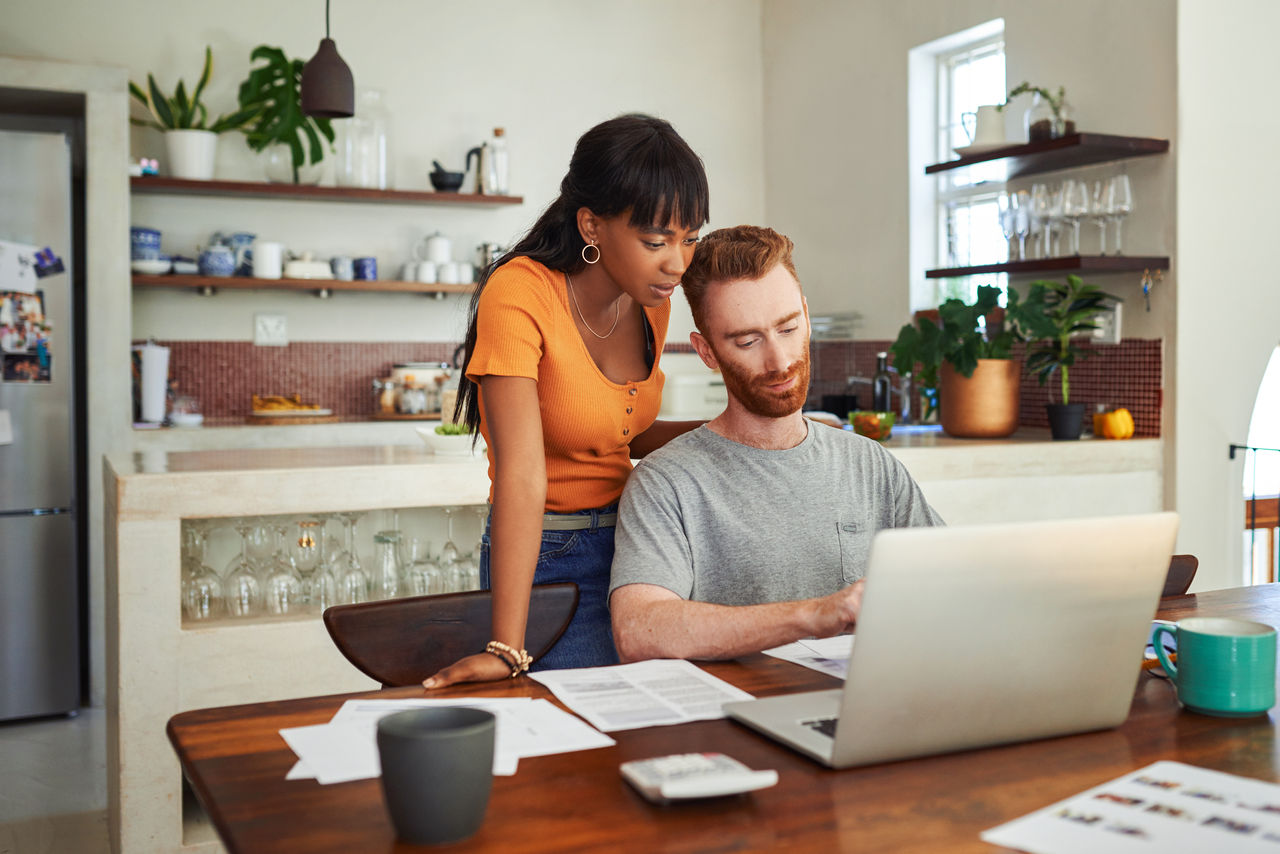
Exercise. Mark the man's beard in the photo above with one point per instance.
(752, 392)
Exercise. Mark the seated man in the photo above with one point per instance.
(753, 530)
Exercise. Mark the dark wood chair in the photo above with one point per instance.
(1182, 569)
(403, 641)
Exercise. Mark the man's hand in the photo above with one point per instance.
(838, 612)
(481, 667)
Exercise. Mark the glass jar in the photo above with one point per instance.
(278, 167)
(1040, 121)
(364, 158)
(385, 393)
(413, 399)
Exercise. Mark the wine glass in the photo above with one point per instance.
(1119, 203)
(353, 583)
(261, 543)
(420, 573)
(305, 548)
(242, 589)
(1022, 220)
(322, 586)
(202, 594)
(1075, 206)
(1040, 218)
(1055, 220)
(1008, 215)
(283, 587)
(387, 568)
(1098, 213)
(448, 552)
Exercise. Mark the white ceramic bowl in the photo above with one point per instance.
(151, 266)
(450, 446)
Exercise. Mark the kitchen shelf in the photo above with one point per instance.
(1087, 264)
(262, 190)
(1077, 149)
(246, 283)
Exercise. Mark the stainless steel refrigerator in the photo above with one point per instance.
(40, 555)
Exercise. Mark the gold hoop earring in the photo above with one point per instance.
(591, 245)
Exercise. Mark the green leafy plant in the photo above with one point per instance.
(1055, 102)
(1068, 309)
(273, 92)
(182, 111)
(961, 333)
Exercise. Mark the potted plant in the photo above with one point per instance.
(190, 138)
(962, 360)
(1049, 115)
(1068, 309)
(273, 94)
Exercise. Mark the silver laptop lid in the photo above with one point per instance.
(988, 634)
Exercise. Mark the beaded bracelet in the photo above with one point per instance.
(517, 659)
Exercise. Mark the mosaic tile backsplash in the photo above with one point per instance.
(223, 375)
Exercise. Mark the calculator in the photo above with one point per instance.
(685, 776)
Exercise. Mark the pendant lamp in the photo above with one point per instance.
(328, 91)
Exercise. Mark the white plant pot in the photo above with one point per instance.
(191, 153)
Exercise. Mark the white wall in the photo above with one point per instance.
(1226, 237)
(836, 129)
(450, 71)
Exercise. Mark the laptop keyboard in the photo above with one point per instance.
(826, 726)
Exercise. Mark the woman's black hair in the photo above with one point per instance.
(633, 162)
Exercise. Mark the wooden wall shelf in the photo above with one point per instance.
(246, 283)
(261, 190)
(1077, 149)
(1084, 264)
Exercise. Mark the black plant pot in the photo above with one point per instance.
(1066, 420)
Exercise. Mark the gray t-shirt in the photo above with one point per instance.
(713, 520)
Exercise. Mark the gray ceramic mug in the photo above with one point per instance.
(437, 771)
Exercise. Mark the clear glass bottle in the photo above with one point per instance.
(498, 171)
(364, 154)
(387, 568)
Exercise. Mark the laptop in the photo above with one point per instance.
(982, 635)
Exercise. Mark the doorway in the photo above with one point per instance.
(1261, 482)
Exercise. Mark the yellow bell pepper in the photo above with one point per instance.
(1116, 424)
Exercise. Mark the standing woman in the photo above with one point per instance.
(562, 379)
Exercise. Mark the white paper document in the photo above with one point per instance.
(1164, 808)
(346, 748)
(826, 655)
(646, 693)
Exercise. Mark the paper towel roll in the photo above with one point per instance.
(155, 382)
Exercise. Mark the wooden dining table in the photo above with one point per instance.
(236, 761)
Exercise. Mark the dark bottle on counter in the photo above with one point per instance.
(882, 385)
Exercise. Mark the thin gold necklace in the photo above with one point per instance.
(617, 311)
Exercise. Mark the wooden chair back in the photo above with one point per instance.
(403, 641)
(1182, 570)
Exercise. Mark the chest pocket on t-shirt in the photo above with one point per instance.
(855, 547)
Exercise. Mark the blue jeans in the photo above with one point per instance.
(583, 557)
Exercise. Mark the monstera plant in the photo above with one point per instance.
(273, 92)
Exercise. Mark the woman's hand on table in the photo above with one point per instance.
(481, 667)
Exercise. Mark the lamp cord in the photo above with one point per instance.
(326, 18)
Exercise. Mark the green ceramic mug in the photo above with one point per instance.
(1226, 667)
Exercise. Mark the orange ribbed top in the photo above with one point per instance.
(525, 329)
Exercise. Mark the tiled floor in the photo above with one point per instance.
(53, 785)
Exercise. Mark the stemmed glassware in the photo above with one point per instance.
(242, 589)
(322, 585)
(387, 567)
(1055, 221)
(1008, 217)
(1021, 220)
(353, 583)
(1119, 203)
(202, 595)
(1075, 206)
(1040, 219)
(1099, 213)
(421, 575)
(283, 586)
